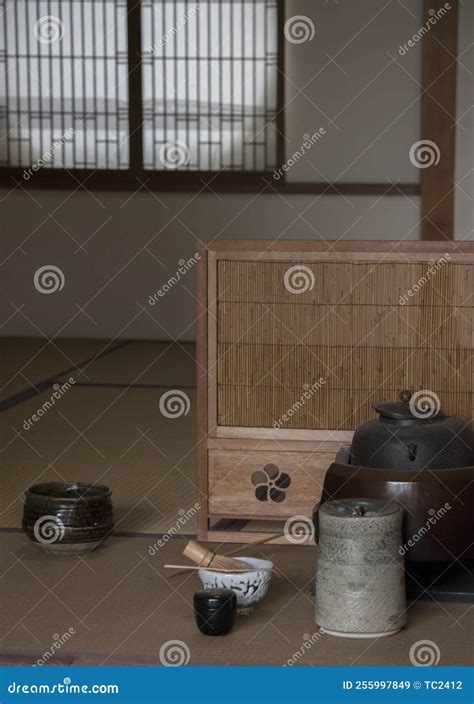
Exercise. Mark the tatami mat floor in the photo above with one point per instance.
(104, 428)
(123, 606)
(144, 364)
(109, 427)
(26, 362)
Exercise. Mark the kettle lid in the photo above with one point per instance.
(404, 410)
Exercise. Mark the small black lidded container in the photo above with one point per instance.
(215, 610)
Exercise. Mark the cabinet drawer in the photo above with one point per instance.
(261, 484)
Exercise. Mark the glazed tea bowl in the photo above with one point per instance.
(67, 517)
(250, 587)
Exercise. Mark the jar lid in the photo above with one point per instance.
(214, 598)
(359, 508)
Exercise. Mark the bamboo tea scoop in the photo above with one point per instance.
(203, 557)
(216, 569)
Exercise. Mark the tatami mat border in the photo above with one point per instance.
(44, 384)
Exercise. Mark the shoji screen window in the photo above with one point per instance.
(64, 84)
(116, 91)
(210, 85)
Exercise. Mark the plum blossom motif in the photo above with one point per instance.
(270, 483)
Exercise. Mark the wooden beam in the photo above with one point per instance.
(135, 99)
(202, 384)
(193, 182)
(438, 115)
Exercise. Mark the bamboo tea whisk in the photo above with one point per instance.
(208, 558)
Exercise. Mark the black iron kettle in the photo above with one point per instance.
(413, 434)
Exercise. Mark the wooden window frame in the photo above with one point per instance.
(435, 186)
(158, 180)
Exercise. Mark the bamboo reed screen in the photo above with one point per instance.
(352, 329)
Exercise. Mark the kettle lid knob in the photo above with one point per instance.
(402, 409)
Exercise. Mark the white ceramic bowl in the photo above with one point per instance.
(250, 587)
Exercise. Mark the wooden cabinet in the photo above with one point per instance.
(297, 340)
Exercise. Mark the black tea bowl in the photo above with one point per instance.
(67, 517)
